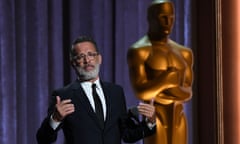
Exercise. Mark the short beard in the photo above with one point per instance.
(87, 75)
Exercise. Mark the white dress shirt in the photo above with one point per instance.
(87, 87)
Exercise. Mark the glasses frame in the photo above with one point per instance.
(89, 56)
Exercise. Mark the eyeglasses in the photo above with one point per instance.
(89, 55)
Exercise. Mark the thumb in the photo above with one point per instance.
(58, 99)
(152, 101)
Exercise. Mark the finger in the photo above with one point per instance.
(67, 106)
(144, 113)
(66, 109)
(58, 99)
(69, 109)
(66, 101)
(145, 106)
(152, 101)
(146, 109)
(69, 112)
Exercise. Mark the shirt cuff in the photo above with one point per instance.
(151, 125)
(53, 123)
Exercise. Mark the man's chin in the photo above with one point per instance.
(88, 73)
(86, 78)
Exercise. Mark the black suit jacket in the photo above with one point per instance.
(82, 127)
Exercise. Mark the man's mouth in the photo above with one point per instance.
(89, 67)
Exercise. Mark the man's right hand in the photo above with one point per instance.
(62, 109)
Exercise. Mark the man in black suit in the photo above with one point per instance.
(93, 115)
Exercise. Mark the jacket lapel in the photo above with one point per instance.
(106, 91)
(82, 99)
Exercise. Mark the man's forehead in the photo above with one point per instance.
(83, 46)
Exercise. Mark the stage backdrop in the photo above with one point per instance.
(35, 37)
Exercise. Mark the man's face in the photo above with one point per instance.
(87, 61)
(161, 19)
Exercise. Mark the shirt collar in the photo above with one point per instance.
(88, 83)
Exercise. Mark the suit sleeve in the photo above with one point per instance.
(46, 134)
(132, 129)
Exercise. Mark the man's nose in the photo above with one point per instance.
(167, 20)
(86, 59)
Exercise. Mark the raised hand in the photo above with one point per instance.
(62, 109)
(148, 110)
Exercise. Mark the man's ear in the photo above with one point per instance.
(73, 63)
(100, 59)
